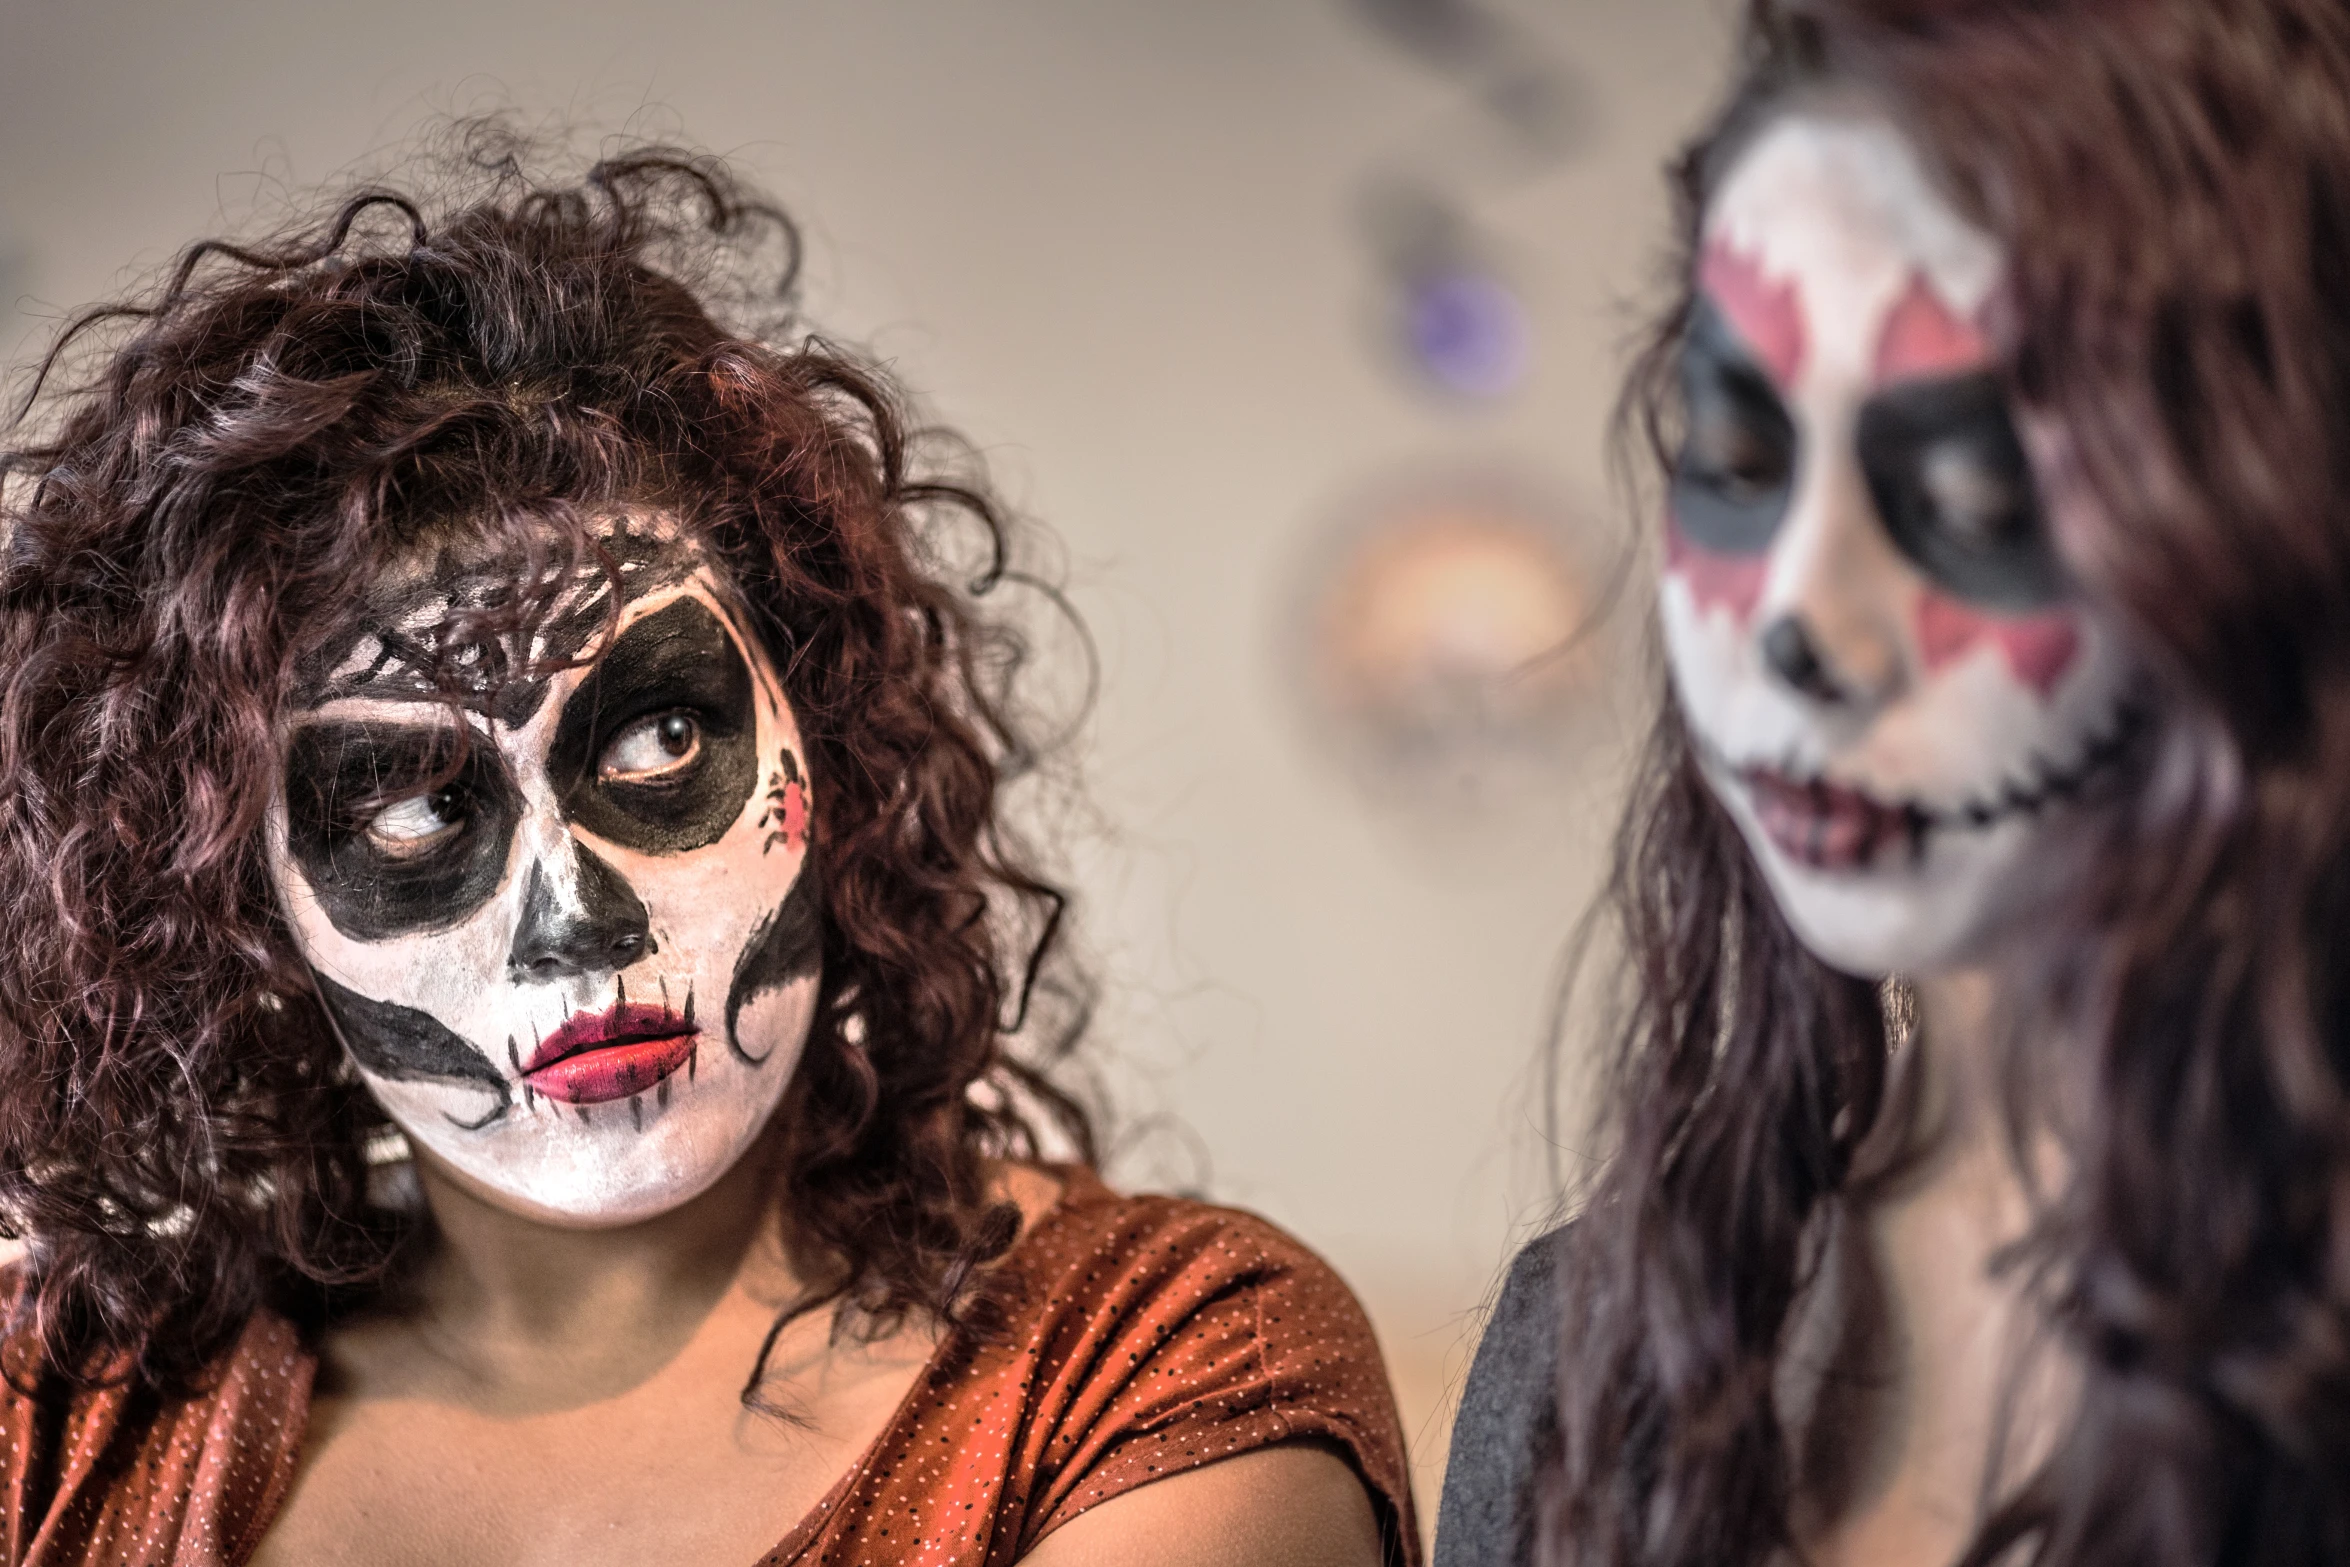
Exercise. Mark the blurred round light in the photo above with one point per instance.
(1448, 635)
(1467, 332)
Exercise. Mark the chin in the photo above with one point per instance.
(1940, 908)
(603, 1170)
(586, 1182)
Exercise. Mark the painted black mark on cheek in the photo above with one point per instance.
(406, 1045)
(677, 659)
(338, 774)
(788, 945)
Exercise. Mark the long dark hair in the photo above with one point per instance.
(198, 491)
(2172, 178)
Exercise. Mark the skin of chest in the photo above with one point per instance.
(466, 1429)
(671, 1469)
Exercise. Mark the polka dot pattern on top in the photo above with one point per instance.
(131, 1480)
(1145, 1336)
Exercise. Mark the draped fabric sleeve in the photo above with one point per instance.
(1144, 1337)
(1508, 1422)
(120, 1477)
(1210, 1334)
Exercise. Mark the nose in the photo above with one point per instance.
(1834, 603)
(1790, 654)
(581, 918)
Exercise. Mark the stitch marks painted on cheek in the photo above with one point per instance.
(786, 815)
(1767, 315)
(1715, 581)
(2039, 649)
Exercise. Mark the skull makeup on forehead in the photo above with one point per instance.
(570, 939)
(1888, 679)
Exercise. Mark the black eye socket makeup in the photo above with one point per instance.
(1736, 468)
(1954, 488)
(658, 748)
(395, 830)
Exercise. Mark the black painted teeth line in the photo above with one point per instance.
(2047, 783)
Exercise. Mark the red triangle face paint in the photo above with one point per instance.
(1923, 338)
(1766, 313)
(2039, 649)
(1716, 581)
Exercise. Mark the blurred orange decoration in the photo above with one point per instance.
(1449, 635)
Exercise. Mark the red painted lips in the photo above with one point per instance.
(623, 1050)
(1829, 826)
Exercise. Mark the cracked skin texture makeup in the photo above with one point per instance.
(528, 1041)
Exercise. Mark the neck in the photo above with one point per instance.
(1942, 1394)
(1953, 1058)
(515, 1296)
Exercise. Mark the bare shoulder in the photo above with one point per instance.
(1298, 1504)
(1034, 1188)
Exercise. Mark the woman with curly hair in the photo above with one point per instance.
(510, 949)
(1979, 1179)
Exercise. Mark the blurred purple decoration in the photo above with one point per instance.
(1467, 332)
(1451, 315)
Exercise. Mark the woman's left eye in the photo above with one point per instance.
(652, 750)
(1977, 505)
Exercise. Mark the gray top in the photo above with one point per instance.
(1508, 1422)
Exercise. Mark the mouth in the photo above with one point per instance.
(619, 1052)
(1832, 826)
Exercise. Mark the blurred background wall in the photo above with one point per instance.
(1296, 322)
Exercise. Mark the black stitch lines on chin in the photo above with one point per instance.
(787, 946)
(403, 1044)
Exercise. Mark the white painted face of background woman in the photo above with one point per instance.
(1890, 683)
(580, 967)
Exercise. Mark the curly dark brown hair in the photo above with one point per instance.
(199, 489)
(2172, 181)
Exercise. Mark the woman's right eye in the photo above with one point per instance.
(412, 828)
(1730, 456)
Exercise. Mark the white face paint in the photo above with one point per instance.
(580, 967)
(1893, 689)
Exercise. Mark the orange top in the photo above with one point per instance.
(1146, 1335)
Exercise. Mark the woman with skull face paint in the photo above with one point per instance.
(1980, 1113)
(511, 960)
